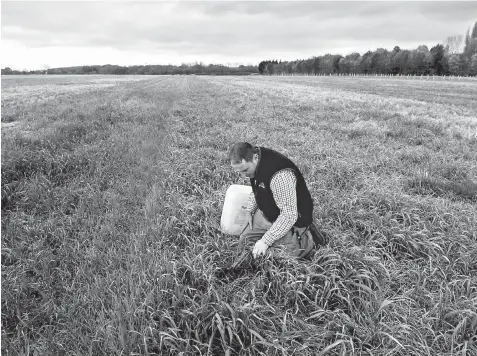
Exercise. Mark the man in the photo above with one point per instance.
(280, 208)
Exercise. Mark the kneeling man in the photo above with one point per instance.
(280, 207)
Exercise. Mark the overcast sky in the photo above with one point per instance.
(36, 34)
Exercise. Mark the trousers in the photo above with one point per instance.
(290, 244)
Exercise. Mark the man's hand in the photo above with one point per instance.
(259, 249)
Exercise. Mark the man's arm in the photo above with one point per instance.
(283, 186)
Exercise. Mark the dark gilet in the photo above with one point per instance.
(270, 162)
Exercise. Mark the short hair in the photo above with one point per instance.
(242, 150)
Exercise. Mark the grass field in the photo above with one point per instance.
(112, 190)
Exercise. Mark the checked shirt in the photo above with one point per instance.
(283, 187)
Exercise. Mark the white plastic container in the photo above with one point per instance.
(234, 212)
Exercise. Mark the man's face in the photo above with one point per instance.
(246, 169)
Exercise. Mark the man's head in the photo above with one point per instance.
(244, 159)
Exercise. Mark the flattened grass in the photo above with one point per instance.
(111, 206)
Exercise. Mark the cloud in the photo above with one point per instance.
(232, 29)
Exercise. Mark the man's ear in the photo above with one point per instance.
(255, 157)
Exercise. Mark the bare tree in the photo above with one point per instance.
(454, 44)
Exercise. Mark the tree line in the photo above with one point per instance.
(185, 69)
(456, 57)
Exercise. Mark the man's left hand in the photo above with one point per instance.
(259, 249)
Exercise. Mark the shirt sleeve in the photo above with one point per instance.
(283, 187)
(252, 204)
